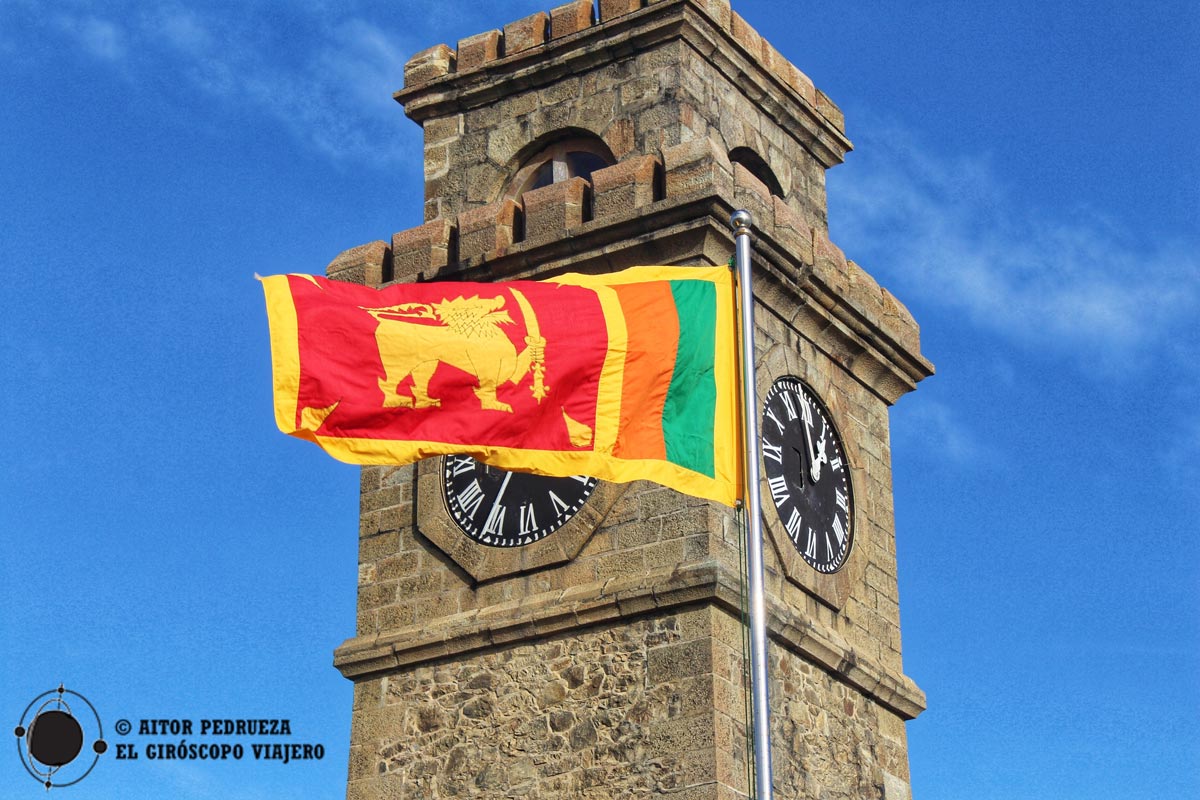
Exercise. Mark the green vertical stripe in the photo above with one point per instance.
(690, 409)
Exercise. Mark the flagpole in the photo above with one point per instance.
(760, 701)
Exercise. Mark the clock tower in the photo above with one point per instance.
(590, 643)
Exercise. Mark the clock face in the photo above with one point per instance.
(508, 509)
(807, 474)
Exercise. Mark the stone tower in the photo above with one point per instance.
(605, 659)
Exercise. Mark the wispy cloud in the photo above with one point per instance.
(102, 38)
(933, 426)
(950, 232)
(322, 74)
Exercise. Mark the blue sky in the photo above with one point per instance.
(1025, 178)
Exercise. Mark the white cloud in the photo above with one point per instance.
(100, 37)
(323, 75)
(932, 426)
(951, 233)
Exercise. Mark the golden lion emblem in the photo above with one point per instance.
(468, 336)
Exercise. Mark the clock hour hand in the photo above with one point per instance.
(814, 466)
(819, 460)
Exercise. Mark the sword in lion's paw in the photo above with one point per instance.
(533, 338)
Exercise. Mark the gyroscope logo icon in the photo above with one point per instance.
(53, 737)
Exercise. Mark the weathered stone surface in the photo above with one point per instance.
(486, 229)
(570, 18)
(525, 34)
(552, 210)
(697, 166)
(533, 719)
(476, 51)
(611, 9)
(365, 264)
(429, 64)
(422, 250)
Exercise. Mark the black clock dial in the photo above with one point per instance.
(508, 509)
(807, 474)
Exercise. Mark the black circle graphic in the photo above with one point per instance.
(50, 738)
(55, 738)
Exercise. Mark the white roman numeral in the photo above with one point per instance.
(560, 507)
(461, 464)
(773, 452)
(471, 498)
(839, 531)
(841, 500)
(528, 520)
(789, 404)
(495, 520)
(779, 490)
(793, 525)
(771, 416)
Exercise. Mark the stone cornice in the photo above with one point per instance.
(539, 616)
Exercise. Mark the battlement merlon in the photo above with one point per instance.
(542, 49)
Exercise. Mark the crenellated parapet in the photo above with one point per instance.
(668, 201)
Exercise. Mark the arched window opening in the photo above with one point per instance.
(758, 168)
(576, 157)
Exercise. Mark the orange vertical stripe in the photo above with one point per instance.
(653, 336)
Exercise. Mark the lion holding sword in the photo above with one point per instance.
(468, 336)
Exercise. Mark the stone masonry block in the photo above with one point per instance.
(900, 322)
(695, 166)
(791, 231)
(719, 10)
(864, 293)
(366, 264)
(611, 9)
(552, 210)
(745, 35)
(829, 262)
(830, 111)
(426, 248)
(570, 18)
(525, 34)
(751, 193)
(429, 64)
(477, 50)
(796, 79)
(486, 229)
(625, 186)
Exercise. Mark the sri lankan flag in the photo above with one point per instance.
(623, 376)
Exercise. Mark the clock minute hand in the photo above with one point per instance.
(500, 494)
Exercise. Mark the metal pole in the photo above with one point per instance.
(759, 690)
